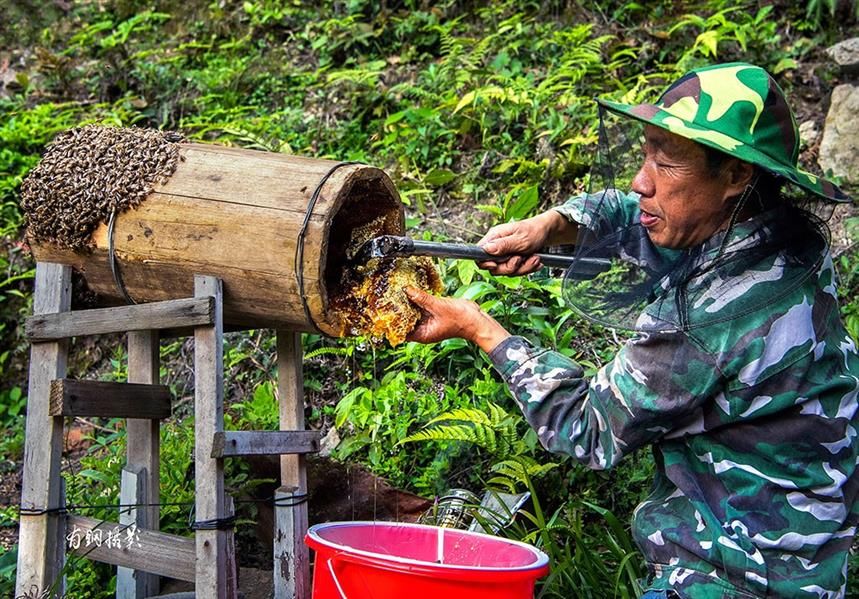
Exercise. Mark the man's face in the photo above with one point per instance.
(682, 203)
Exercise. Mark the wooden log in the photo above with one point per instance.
(143, 443)
(190, 311)
(109, 400)
(212, 552)
(39, 562)
(293, 471)
(236, 214)
(240, 443)
(131, 547)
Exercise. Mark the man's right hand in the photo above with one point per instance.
(520, 240)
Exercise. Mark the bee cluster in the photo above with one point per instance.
(89, 172)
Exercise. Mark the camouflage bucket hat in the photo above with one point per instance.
(739, 109)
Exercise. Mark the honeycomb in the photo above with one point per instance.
(371, 298)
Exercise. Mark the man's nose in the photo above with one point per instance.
(642, 184)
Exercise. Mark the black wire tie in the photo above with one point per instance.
(114, 265)
(298, 264)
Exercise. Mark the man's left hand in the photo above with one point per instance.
(446, 318)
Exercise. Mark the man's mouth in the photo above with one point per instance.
(647, 219)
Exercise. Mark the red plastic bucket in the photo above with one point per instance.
(390, 560)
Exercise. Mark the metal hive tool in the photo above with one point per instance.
(390, 246)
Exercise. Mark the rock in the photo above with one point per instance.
(846, 55)
(809, 132)
(15, 66)
(839, 149)
(8, 75)
(329, 442)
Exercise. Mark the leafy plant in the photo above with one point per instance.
(8, 565)
(591, 551)
(261, 411)
(494, 432)
(816, 10)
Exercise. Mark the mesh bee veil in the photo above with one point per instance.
(773, 234)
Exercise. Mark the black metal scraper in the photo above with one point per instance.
(390, 246)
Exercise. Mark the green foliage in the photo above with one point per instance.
(261, 412)
(494, 432)
(847, 266)
(591, 551)
(593, 556)
(820, 12)
(12, 404)
(8, 565)
(378, 416)
(718, 28)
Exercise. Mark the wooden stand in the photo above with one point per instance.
(134, 544)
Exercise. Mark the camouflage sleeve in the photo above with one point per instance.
(655, 384)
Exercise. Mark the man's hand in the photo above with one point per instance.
(446, 318)
(521, 240)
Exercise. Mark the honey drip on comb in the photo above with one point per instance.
(371, 299)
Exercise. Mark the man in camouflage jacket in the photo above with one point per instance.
(752, 418)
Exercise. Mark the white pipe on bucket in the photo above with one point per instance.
(440, 546)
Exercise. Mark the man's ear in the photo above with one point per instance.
(736, 174)
(740, 174)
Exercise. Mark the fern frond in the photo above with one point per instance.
(504, 483)
(328, 351)
(475, 58)
(464, 414)
(413, 92)
(521, 469)
(493, 431)
(453, 432)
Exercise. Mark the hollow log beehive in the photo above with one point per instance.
(236, 214)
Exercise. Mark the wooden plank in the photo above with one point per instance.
(105, 399)
(156, 315)
(131, 547)
(144, 443)
(130, 583)
(293, 469)
(232, 564)
(39, 564)
(211, 562)
(286, 501)
(239, 443)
